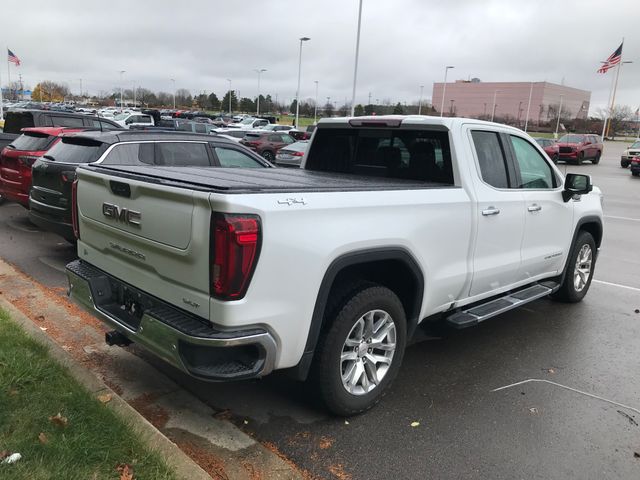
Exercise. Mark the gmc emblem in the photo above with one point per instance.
(119, 214)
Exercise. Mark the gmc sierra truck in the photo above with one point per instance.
(328, 271)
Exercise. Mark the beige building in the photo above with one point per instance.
(476, 99)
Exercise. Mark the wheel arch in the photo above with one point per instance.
(591, 224)
(403, 276)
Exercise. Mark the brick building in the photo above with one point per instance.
(475, 99)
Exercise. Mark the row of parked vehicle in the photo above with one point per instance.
(38, 168)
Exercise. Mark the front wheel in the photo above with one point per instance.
(625, 163)
(2, 199)
(596, 160)
(580, 267)
(580, 158)
(267, 155)
(555, 158)
(360, 354)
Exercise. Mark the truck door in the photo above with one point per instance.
(548, 219)
(500, 215)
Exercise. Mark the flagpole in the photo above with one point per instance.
(1, 101)
(613, 99)
(8, 71)
(606, 110)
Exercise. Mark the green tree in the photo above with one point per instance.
(328, 109)
(358, 111)
(292, 108)
(398, 110)
(213, 101)
(203, 101)
(225, 101)
(247, 105)
(369, 109)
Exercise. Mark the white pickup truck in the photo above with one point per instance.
(327, 271)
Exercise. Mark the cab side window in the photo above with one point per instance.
(535, 172)
(491, 158)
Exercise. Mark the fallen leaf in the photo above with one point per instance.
(246, 422)
(43, 438)
(415, 424)
(44, 329)
(551, 370)
(533, 411)
(59, 420)
(66, 348)
(125, 471)
(106, 398)
(13, 392)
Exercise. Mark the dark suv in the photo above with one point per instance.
(15, 121)
(576, 148)
(266, 143)
(53, 175)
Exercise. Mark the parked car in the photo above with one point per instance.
(18, 157)
(550, 147)
(576, 148)
(53, 175)
(134, 119)
(629, 153)
(376, 235)
(300, 134)
(266, 144)
(635, 166)
(249, 123)
(291, 155)
(274, 127)
(15, 121)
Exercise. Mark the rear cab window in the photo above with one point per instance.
(416, 155)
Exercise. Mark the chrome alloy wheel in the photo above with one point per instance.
(582, 270)
(367, 352)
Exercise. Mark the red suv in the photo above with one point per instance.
(17, 158)
(550, 147)
(267, 144)
(575, 148)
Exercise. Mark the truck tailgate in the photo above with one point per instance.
(149, 235)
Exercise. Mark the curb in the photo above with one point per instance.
(181, 463)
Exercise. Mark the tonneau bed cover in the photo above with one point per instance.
(258, 180)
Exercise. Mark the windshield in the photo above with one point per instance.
(247, 121)
(32, 142)
(571, 139)
(635, 145)
(84, 152)
(122, 116)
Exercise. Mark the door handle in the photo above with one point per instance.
(491, 211)
(534, 208)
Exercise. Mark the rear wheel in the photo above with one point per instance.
(596, 160)
(360, 354)
(580, 267)
(267, 155)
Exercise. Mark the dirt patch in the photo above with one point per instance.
(325, 443)
(209, 462)
(338, 472)
(305, 473)
(251, 470)
(144, 404)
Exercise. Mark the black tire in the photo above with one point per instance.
(568, 291)
(635, 174)
(2, 199)
(268, 156)
(580, 158)
(625, 163)
(327, 368)
(596, 160)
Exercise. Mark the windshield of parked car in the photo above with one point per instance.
(247, 121)
(80, 151)
(571, 139)
(635, 145)
(122, 116)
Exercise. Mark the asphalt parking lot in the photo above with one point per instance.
(578, 418)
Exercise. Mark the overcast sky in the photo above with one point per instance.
(404, 44)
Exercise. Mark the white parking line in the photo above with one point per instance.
(570, 389)
(623, 218)
(617, 285)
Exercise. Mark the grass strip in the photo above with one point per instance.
(90, 444)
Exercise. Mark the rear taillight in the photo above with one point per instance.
(298, 154)
(68, 176)
(635, 160)
(74, 209)
(235, 245)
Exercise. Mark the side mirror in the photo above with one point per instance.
(128, 121)
(576, 184)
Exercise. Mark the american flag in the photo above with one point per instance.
(612, 61)
(11, 57)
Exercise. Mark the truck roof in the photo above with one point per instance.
(405, 120)
(116, 136)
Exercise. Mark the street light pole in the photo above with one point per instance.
(559, 113)
(259, 71)
(315, 110)
(302, 39)
(121, 96)
(174, 92)
(355, 66)
(526, 120)
(444, 87)
(420, 102)
(493, 110)
(80, 89)
(229, 80)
